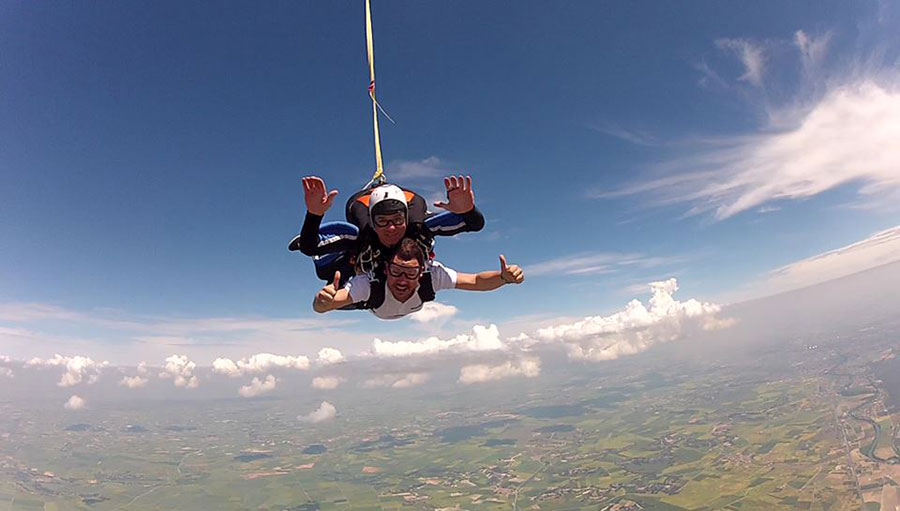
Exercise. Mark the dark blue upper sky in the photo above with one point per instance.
(151, 152)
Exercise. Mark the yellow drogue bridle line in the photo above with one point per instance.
(378, 176)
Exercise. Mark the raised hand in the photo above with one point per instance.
(325, 296)
(510, 274)
(314, 193)
(460, 196)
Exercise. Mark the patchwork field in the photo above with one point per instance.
(673, 436)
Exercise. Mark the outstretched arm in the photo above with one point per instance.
(461, 215)
(490, 280)
(313, 240)
(330, 297)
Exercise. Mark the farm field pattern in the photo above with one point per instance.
(775, 432)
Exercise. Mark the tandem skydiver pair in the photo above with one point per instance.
(382, 258)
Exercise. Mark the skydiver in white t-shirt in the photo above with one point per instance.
(407, 284)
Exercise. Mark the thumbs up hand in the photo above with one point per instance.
(325, 296)
(510, 274)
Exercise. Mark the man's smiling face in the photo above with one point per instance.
(403, 278)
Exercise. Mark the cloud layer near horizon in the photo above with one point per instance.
(529, 367)
(77, 368)
(876, 250)
(482, 338)
(636, 328)
(264, 362)
(405, 363)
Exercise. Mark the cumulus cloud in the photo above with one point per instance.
(850, 136)
(479, 373)
(397, 381)
(636, 328)
(326, 382)
(6, 372)
(325, 412)
(133, 382)
(77, 368)
(226, 366)
(181, 370)
(257, 386)
(481, 339)
(752, 55)
(876, 250)
(433, 311)
(74, 403)
(329, 356)
(259, 363)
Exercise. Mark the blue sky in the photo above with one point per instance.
(151, 152)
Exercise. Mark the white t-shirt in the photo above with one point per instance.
(359, 288)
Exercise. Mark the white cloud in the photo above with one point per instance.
(410, 380)
(425, 174)
(74, 403)
(133, 382)
(429, 168)
(77, 368)
(481, 339)
(142, 369)
(588, 263)
(709, 79)
(326, 382)
(6, 372)
(179, 368)
(636, 328)
(397, 381)
(752, 55)
(879, 249)
(850, 136)
(329, 356)
(226, 366)
(812, 50)
(479, 373)
(636, 137)
(433, 311)
(325, 412)
(152, 336)
(32, 311)
(259, 363)
(257, 386)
